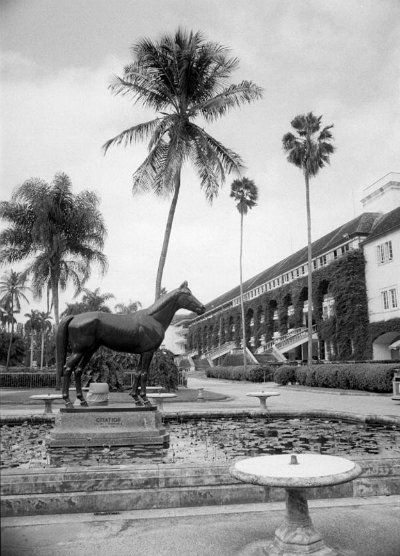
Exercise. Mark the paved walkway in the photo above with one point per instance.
(359, 527)
(291, 398)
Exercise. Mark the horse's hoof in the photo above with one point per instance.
(146, 401)
(84, 403)
(69, 404)
(137, 400)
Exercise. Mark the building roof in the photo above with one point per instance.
(358, 227)
(384, 223)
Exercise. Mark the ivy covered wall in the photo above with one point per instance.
(348, 330)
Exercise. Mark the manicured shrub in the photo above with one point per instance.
(163, 371)
(285, 374)
(371, 377)
(261, 374)
(254, 373)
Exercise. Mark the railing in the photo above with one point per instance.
(218, 351)
(288, 338)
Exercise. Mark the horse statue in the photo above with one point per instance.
(141, 332)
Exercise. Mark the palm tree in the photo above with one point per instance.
(182, 77)
(63, 233)
(130, 308)
(245, 194)
(310, 151)
(95, 301)
(32, 326)
(12, 288)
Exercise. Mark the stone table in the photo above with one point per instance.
(295, 473)
(262, 396)
(159, 399)
(48, 400)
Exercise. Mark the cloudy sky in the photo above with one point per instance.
(339, 59)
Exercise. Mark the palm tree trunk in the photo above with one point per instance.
(309, 279)
(32, 345)
(241, 294)
(54, 292)
(167, 234)
(12, 333)
(42, 351)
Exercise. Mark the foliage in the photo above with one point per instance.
(91, 301)
(371, 377)
(252, 373)
(182, 77)
(63, 233)
(18, 348)
(284, 375)
(163, 371)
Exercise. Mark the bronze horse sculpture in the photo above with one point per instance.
(141, 333)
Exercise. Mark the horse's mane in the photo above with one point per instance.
(160, 303)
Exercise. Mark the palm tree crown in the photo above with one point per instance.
(245, 193)
(63, 233)
(182, 77)
(311, 148)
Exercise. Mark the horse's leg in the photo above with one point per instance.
(135, 388)
(78, 377)
(146, 360)
(70, 365)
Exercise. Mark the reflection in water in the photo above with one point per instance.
(202, 441)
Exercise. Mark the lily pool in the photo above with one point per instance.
(202, 441)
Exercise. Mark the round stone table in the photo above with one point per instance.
(48, 400)
(262, 396)
(159, 399)
(295, 473)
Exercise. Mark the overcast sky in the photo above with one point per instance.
(339, 59)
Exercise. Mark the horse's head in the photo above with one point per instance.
(187, 300)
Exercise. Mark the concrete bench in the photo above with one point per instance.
(159, 399)
(48, 400)
(262, 396)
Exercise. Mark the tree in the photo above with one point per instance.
(45, 328)
(128, 309)
(32, 326)
(245, 194)
(94, 300)
(182, 77)
(310, 151)
(91, 301)
(63, 233)
(12, 288)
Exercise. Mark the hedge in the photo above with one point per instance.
(371, 377)
(254, 373)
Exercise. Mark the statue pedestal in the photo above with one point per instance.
(116, 426)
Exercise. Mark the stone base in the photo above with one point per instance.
(95, 426)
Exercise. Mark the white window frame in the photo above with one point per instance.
(384, 252)
(389, 298)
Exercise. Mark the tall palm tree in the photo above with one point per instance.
(59, 233)
(309, 149)
(182, 77)
(128, 309)
(12, 288)
(245, 194)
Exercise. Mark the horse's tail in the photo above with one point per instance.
(61, 345)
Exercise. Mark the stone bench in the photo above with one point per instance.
(48, 400)
(159, 399)
(262, 396)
